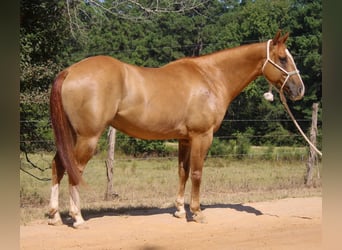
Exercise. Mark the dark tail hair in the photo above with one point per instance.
(63, 131)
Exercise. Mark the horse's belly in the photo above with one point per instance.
(149, 129)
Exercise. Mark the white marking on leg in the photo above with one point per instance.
(180, 213)
(54, 196)
(75, 206)
(54, 215)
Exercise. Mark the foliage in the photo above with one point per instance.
(221, 148)
(239, 147)
(40, 47)
(138, 147)
(35, 129)
(149, 34)
(243, 144)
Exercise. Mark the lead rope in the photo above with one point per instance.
(283, 100)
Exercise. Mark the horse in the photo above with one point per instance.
(184, 100)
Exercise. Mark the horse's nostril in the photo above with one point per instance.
(301, 90)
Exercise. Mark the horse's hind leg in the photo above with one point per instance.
(57, 174)
(84, 150)
(183, 173)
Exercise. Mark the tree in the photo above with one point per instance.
(40, 46)
(307, 30)
(258, 21)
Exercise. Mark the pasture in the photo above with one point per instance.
(143, 183)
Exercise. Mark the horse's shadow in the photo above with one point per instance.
(238, 207)
(89, 214)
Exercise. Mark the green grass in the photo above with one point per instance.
(154, 183)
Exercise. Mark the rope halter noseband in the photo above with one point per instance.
(269, 60)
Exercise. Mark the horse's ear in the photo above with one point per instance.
(284, 38)
(276, 37)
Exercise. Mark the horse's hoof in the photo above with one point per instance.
(54, 222)
(180, 214)
(199, 218)
(55, 219)
(80, 225)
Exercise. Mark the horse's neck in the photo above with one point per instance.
(238, 67)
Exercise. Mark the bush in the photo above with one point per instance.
(239, 147)
(35, 129)
(138, 147)
(242, 146)
(268, 155)
(280, 137)
(218, 148)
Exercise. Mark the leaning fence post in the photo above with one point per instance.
(110, 163)
(312, 154)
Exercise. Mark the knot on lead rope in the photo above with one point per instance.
(268, 95)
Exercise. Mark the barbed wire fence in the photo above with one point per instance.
(27, 165)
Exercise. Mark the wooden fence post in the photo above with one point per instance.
(312, 154)
(110, 164)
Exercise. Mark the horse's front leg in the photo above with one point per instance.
(199, 148)
(183, 173)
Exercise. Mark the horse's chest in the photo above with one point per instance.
(205, 112)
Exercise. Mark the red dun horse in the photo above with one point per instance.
(185, 100)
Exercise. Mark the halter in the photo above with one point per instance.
(268, 95)
(269, 60)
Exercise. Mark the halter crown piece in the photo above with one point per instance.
(268, 95)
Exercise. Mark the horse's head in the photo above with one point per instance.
(280, 69)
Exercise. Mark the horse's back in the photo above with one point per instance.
(143, 102)
(95, 65)
(149, 103)
(166, 102)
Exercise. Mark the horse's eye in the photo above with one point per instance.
(283, 60)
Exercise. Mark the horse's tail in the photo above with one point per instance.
(63, 131)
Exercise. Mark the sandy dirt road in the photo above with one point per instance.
(293, 223)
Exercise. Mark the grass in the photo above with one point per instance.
(148, 183)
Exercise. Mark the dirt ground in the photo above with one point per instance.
(293, 223)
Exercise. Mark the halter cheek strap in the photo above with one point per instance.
(269, 60)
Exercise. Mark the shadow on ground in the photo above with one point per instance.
(89, 214)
